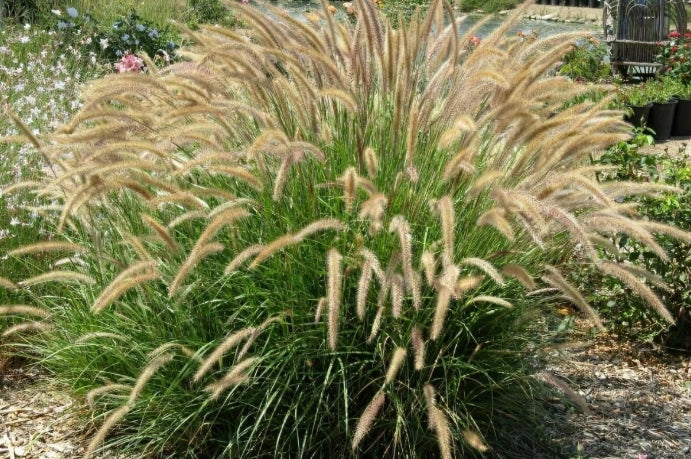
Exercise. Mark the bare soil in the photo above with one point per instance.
(675, 146)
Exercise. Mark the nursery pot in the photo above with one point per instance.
(661, 118)
(639, 117)
(682, 118)
(573, 2)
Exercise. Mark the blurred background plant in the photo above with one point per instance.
(489, 6)
(586, 62)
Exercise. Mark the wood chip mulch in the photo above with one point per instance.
(639, 400)
(36, 420)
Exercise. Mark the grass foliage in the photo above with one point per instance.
(320, 237)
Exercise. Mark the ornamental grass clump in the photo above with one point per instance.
(321, 239)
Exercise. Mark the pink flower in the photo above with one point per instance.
(674, 34)
(129, 63)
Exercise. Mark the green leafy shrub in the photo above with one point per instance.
(489, 6)
(585, 62)
(130, 34)
(633, 95)
(26, 11)
(321, 237)
(135, 34)
(671, 274)
(207, 11)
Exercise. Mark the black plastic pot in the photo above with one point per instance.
(682, 118)
(661, 118)
(639, 115)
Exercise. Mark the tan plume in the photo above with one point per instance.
(367, 418)
(334, 274)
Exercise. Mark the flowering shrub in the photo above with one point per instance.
(41, 87)
(129, 63)
(72, 29)
(131, 34)
(134, 34)
(473, 42)
(675, 56)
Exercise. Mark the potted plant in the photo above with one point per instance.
(660, 92)
(682, 115)
(636, 100)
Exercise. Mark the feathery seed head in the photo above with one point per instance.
(397, 360)
(334, 273)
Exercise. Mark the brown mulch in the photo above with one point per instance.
(638, 398)
(36, 419)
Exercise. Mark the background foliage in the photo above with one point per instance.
(626, 314)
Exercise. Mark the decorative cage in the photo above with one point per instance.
(634, 30)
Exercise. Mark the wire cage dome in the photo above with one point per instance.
(634, 30)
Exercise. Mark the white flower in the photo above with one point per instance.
(56, 12)
(24, 39)
(15, 221)
(27, 26)
(103, 42)
(59, 85)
